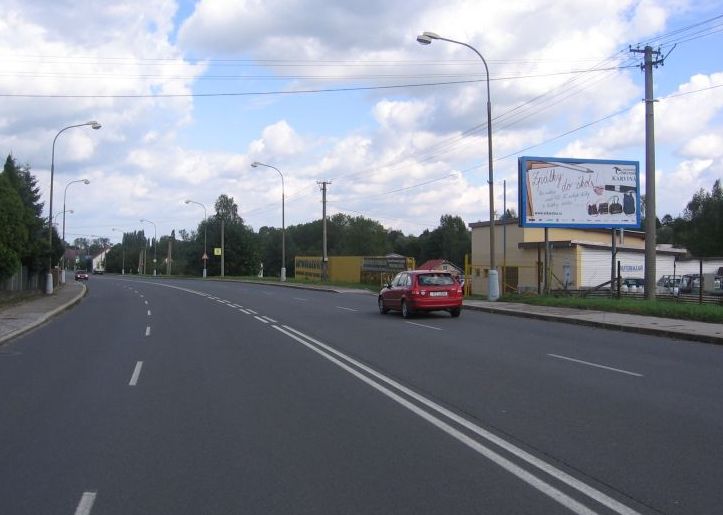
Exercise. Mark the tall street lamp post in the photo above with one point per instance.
(493, 289)
(283, 222)
(205, 254)
(155, 243)
(65, 194)
(49, 280)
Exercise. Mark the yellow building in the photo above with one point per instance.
(353, 269)
(578, 258)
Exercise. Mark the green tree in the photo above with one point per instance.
(34, 252)
(701, 227)
(13, 232)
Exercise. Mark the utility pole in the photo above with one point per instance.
(324, 256)
(223, 249)
(650, 237)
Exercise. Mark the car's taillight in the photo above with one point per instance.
(415, 292)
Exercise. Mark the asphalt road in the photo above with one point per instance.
(202, 397)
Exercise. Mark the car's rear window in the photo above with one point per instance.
(435, 280)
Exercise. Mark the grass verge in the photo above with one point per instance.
(658, 308)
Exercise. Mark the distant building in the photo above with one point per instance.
(442, 265)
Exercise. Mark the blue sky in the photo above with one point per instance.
(404, 155)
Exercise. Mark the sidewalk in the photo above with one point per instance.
(17, 319)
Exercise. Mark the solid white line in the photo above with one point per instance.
(235, 306)
(300, 299)
(149, 312)
(148, 330)
(136, 374)
(270, 319)
(252, 311)
(596, 365)
(558, 474)
(427, 326)
(348, 309)
(244, 311)
(261, 320)
(86, 503)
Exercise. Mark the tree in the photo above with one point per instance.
(13, 232)
(34, 252)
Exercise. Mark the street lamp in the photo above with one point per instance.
(65, 193)
(155, 243)
(49, 280)
(205, 255)
(123, 250)
(283, 222)
(493, 290)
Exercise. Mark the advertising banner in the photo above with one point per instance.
(562, 192)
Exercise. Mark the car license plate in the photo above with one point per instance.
(437, 293)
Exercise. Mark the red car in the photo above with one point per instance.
(81, 275)
(422, 290)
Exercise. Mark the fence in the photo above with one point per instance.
(24, 280)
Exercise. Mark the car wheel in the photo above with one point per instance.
(382, 309)
(455, 312)
(406, 312)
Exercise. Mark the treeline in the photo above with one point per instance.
(246, 250)
(700, 228)
(23, 229)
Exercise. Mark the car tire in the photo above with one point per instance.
(406, 312)
(455, 312)
(382, 309)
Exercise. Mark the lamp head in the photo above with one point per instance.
(255, 164)
(425, 38)
(186, 201)
(86, 181)
(70, 211)
(94, 125)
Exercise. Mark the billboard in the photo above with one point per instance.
(562, 192)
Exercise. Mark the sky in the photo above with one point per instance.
(189, 94)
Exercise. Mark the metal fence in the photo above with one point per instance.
(23, 280)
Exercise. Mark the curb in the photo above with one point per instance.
(45, 317)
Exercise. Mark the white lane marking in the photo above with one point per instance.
(245, 312)
(301, 299)
(141, 296)
(148, 330)
(136, 374)
(146, 302)
(549, 469)
(252, 311)
(270, 319)
(261, 320)
(149, 312)
(596, 365)
(348, 309)
(235, 306)
(86, 503)
(427, 326)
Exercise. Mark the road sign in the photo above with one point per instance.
(205, 257)
(217, 251)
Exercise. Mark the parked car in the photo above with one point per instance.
(97, 271)
(668, 284)
(421, 290)
(632, 285)
(81, 275)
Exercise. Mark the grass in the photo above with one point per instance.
(659, 308)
